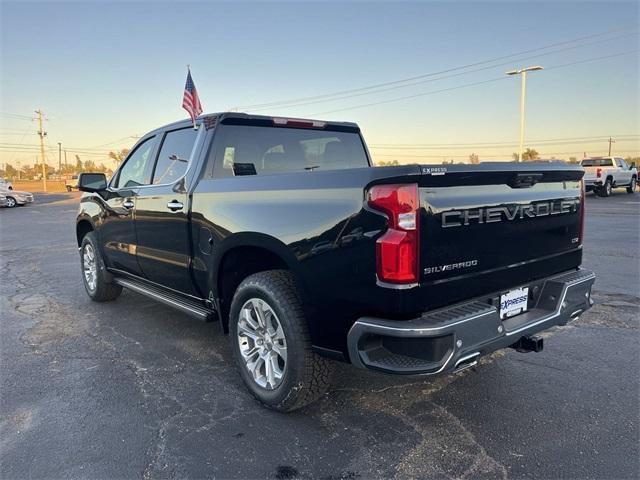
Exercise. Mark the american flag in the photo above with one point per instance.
(190, 101)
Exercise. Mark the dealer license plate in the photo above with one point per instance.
(514, 302)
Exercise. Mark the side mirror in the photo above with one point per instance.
(92, 182)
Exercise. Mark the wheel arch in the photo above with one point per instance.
(83, 226)
(242, 255)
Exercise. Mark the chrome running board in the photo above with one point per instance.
(191, 308)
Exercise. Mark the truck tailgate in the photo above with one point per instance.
(492, 221)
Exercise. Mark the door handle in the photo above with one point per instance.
(128, 204)
(175, 205)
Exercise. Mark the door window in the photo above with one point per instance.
(174, 156)
(135, 171)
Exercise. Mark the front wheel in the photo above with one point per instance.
(632, 186)
(94, 273)
(271, 345)
(11, 202)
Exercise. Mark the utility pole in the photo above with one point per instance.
(611, 140)
(523, 86)
(41, 135)
(59, 158)
(65, 162)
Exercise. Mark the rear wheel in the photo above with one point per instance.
(94, 273)
(632, 186)
(271, 345)
(605, 190)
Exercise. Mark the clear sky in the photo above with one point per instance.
(106, 71)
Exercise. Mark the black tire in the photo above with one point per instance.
(11, 202)
(306, 375)
(103, 290)
(632, 186)
(605, 190)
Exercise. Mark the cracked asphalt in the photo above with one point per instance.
(133, 389)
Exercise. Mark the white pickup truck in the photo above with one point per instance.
(605, 173)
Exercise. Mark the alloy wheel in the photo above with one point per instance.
(262, 343)
(89, 266)
(11, 202)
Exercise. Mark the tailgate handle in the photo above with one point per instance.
(525, 180)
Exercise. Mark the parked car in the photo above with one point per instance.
(3, 200)
(72, 183)
(602, 174)
(16, 197)
(6, 184)
(282, 230)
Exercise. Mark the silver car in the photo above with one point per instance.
(16, 197)
(3, 200)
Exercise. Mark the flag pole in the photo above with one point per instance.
(193, 120)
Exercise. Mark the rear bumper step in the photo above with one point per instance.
(453, 338)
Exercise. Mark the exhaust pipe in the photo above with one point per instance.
(533, 343)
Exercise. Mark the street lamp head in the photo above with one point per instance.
(522, 70)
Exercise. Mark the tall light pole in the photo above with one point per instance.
(523, 87)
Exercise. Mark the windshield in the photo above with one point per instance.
(597, 162)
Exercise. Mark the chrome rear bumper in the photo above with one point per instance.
(452, 338)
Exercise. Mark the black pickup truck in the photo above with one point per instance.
(284, 232)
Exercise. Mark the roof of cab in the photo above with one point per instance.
(248, 119)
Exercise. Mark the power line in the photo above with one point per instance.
(428, 80)
(495, 142)
(495, 154)
(431, 74)
(16, 116)
(505, 145)
(496, 79)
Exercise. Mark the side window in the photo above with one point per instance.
(174, 156)
(135, 171)
(622, 164)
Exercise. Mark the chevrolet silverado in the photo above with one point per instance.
(284, 232)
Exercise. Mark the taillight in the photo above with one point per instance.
(398, 250)
(598, 172)
(582, 195)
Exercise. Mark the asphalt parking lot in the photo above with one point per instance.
(133, 389)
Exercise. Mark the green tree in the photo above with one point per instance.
(10, 171)
(527, 155)
(386, 163)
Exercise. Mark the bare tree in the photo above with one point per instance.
(474, 159)
(119, 156)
